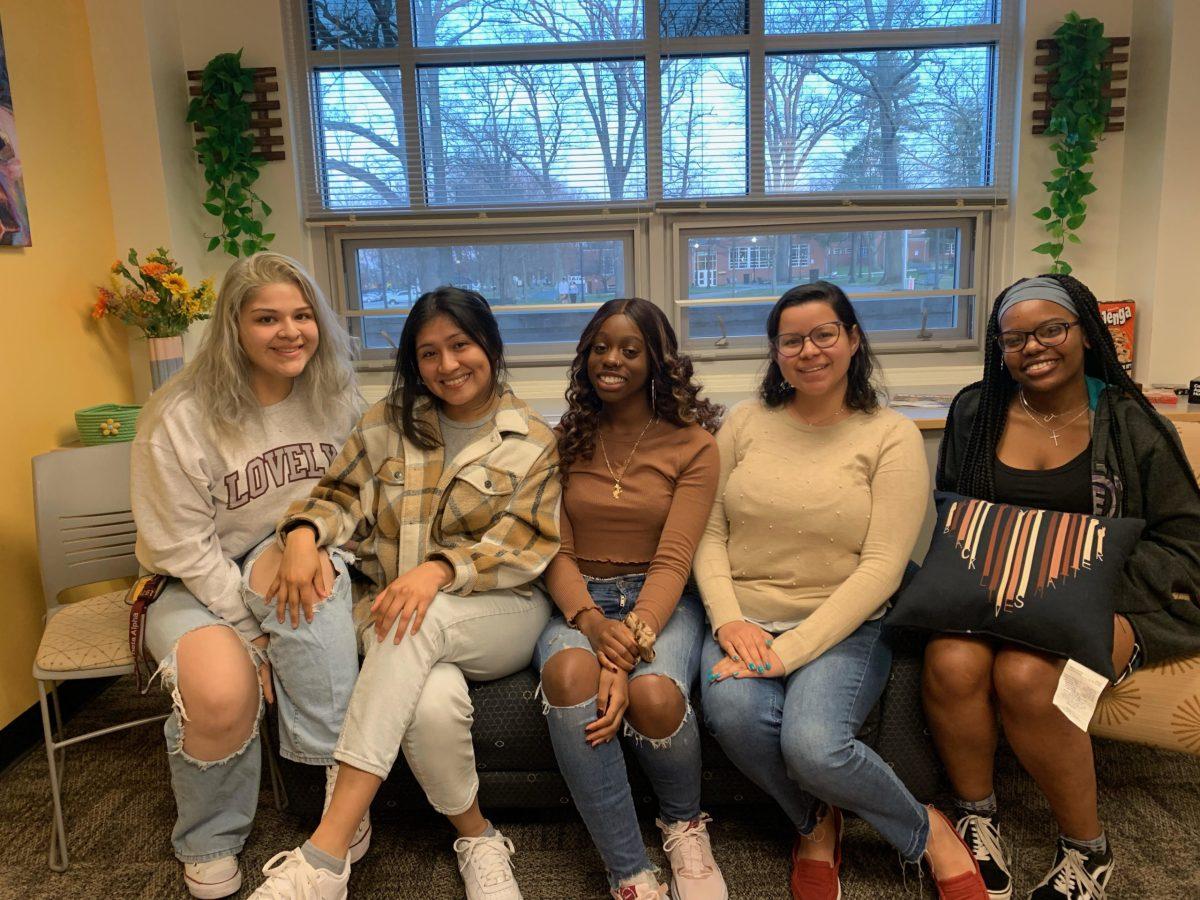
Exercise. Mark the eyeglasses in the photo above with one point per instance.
(792, 343)
(1050, 334)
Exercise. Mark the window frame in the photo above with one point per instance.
(972, 263)
(651, 225)
(344, 243)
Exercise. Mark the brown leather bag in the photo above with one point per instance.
(144, 591)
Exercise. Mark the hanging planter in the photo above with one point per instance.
(231, 160)
(1078, 76)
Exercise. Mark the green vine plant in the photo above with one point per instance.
(1078, 119)
(226, 151)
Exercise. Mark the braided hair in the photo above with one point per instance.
(996, 389)
(676, 393)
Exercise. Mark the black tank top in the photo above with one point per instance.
(1067, 488)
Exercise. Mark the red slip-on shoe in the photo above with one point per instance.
(813, 879)
(967, 886)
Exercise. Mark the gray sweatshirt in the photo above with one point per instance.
(202, 501)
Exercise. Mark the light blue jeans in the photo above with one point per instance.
(596, 776)
(795, 738)
(314, 668)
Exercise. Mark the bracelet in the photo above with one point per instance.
(643, 634)
(573, 621)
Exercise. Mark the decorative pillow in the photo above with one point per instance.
(1035, 577)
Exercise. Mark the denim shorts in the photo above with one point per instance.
(676, 649)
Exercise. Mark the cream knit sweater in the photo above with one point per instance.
(812, 527)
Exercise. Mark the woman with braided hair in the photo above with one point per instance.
(621, 654)
(1056, 423)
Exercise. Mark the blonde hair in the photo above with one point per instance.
(218, 378)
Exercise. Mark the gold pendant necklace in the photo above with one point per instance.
(616, 488)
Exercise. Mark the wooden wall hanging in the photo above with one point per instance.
(1116, 115)
(264, 111)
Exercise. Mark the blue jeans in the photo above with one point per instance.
(795, 738)
(314, 668)
(596, 776)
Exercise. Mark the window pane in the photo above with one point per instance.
(811, 16)
(701, 18)
(562, 272)
(361, 127)
(351, 24)
(704, 126)
(879, 120)
(539, 133)
(860, 262)
(452, 23)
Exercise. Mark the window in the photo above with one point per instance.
(750, 257)
(512, 114)
(542, 291)
(908, 283)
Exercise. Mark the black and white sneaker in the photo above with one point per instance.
(980, 834)
(1076, 874)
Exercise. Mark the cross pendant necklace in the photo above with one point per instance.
(1041, 418)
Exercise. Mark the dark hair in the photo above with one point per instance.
(470, 311)
(861, 391)
(997, 387)
(676, 395)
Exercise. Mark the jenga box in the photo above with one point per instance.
(1119, 316)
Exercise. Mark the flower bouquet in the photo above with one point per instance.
(154, 297)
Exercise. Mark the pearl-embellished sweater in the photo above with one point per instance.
(812, 527)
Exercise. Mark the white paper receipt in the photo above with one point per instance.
(1078, 691)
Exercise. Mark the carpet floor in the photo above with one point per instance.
(119, 811)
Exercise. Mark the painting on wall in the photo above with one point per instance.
(14, 215)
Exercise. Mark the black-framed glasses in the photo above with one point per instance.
(1048, 334)
(824, 336)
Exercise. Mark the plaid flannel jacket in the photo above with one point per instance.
(492, 513)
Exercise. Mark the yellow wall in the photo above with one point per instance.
(53, 358)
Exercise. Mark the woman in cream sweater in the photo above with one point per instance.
(818, 508)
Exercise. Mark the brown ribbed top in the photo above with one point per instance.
(654, 526)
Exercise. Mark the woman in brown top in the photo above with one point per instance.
(640, 471)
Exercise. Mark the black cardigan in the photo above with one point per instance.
(1160, 589)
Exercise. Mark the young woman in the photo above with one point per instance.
(450, 486)
(639, 473)
(221, 450)
(1057, 424)
(817, 511)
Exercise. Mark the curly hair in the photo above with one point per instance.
(996, 389)
(675, 395)
(862, 390)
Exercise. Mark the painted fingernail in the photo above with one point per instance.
(736, 658)
(770, 641)
(768, 667)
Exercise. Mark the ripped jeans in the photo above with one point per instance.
(596, 776)
(314, 668)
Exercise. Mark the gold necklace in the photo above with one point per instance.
(616, 488)
(815, 422)
(1040, 419)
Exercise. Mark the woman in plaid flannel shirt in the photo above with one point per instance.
(450, 488)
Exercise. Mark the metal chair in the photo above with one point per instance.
(85, 535)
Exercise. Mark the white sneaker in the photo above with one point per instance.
(695, 875)
(291, 877)
(486, 867)
(641, 887)
(215, 878)
(362, 834)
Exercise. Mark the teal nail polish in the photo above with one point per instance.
(768, 667)
(770, 641)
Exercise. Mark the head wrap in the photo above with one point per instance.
(1040, 288)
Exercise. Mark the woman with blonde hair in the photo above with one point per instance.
(221, 451)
